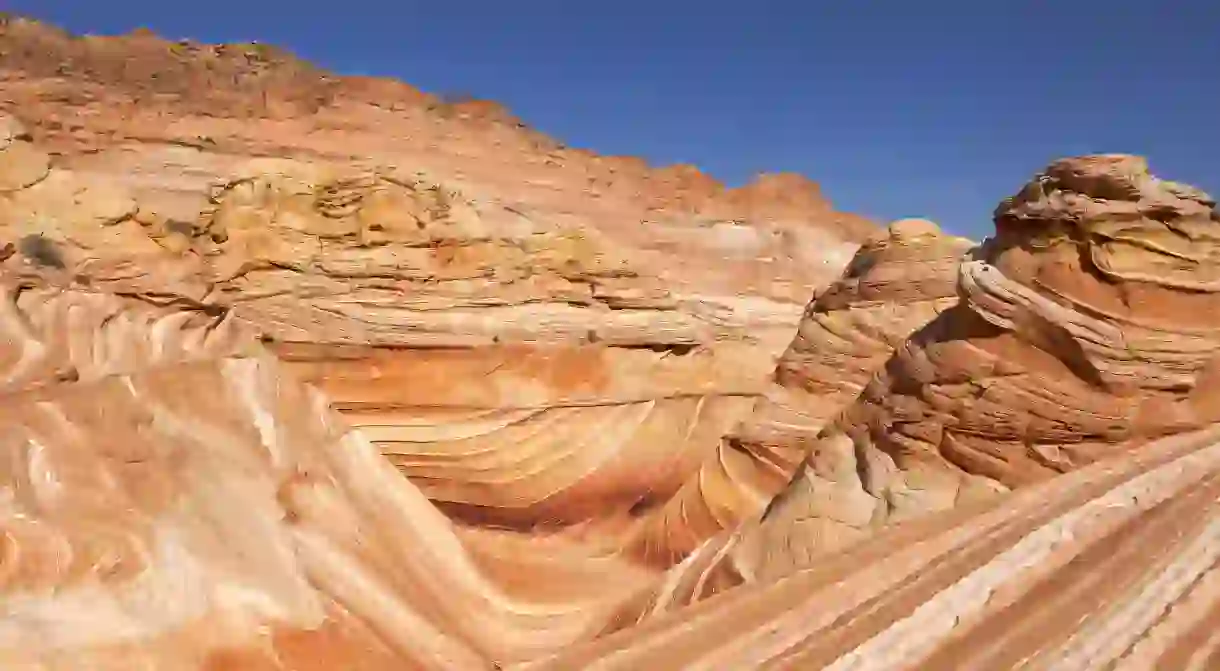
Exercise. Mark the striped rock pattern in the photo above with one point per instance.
(523, 377)
(1086, 328)
(1113, 566)
(543, 339)
(197, 509)
(209, 513)
(895, 284)
(178, 501)
(557, 350)
(521, 370)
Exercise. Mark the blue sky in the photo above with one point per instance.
(933, 108)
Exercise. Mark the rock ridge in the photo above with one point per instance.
(1059, 353)
(46, 68)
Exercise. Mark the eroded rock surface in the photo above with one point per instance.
(174, 507)
(895, 284)
(454, 281)
(1085, 329)
(196, 508)
(525, 374)
(1110, 566)
(574, 347)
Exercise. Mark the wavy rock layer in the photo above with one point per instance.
(1111, 566)
(894, 285)
(453, 280)
(526, 374)
(194, 508)
(1086, 328)
(209, 513)
(177, 501)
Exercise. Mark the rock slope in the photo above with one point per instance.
(1112, 566)
(174, 507)
(523, 378)
(441, 326)
(198, 509)
(216, 366)
(451, 279)
(1085, 329)
(895, 284)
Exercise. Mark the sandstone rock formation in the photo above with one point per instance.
(194, 508)
(358, 277)
(230, 326)
(452, 280)
(1111, 566)
(895, 284)
(1085, 329)
(204, 511)
(523, 377)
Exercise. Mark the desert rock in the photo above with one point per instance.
(303, 371)
(894, 284)
(204, 510)
(450, 278)
(1110, 566)
(1084, 331)
(441, 325)
(177, 501)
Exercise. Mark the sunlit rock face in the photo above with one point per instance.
(527, 372)
(177, 498)
(305, 372)
(894, 284)
(452, 279)
(1109, 566)
(175, 508)
(1086, 328)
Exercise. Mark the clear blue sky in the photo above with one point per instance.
(898, 108)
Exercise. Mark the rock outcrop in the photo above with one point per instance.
(520, 372)
(525, 376)
(1111, 566)
(1085, 330)
(199, 509)
(426, 390)
(452, 280)
(174, 507)
(895, 284)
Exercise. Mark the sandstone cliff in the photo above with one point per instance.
(895, 284)
(230, 326)
(1085, 329)
(451, 279)
(179, 508)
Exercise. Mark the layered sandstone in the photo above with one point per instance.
(176, 507)
(523, 376)
(1112, 566)
(189, 509)
(578, 348)
(896, 283)
(452, 280)
(1085, 330)
(443, 327)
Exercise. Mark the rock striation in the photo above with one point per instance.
(1110, 566)
(202, 510)
(521, 371)
(895, 284)
(1083, 332)
(176, 507)
(524, 376)
(330, 373)
(454, 281)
